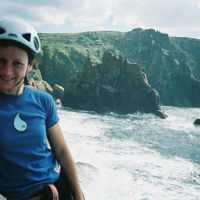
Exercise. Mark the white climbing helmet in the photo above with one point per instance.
(20, 32)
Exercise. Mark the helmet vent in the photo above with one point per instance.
(27, 36)
(36, 43)
(2, 31)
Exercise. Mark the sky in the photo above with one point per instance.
(179, 18)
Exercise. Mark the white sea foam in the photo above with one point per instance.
(132, 155)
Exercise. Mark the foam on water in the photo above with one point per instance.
(135, 156)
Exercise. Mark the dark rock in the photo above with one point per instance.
(160, 114)
(56, 66)
(58, 91)
(115, 85)
(44, 86)
(35, 80)
(197, 122)
(171, 63)
(195, 95)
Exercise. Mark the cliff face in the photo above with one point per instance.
(172, 65)
(113, 85)
(56, 66)
(166, 62)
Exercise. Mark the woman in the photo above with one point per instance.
(28, 118)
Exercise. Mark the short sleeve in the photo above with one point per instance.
(52, 114)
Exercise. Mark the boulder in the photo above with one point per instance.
(34, 79)
(58, 91)
(44, 86)
(197, 122)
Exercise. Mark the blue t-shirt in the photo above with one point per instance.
(26, 162)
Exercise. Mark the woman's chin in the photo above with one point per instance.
(8, 90)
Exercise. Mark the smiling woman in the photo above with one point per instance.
(13, 68)
(29, 168)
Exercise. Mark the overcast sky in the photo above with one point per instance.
(175, 17)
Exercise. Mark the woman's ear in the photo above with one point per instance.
(31, 65)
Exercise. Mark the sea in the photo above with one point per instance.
(135, 156)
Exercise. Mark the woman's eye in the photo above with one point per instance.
(18, 64)
(15, 64)
(1, 61)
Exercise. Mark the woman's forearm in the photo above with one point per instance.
(64, 157)
(68, 166)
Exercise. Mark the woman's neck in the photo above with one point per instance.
(20, 89)
(14, 91)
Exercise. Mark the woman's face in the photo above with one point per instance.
(13, 68)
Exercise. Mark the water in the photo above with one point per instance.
(135, 156)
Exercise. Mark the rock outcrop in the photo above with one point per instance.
(115, 85)
(197, 122)
(172, 64)
(35, 80)
(58, 91)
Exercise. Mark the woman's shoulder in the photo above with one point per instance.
(38, 93)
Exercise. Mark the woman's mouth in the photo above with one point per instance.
(7, 78)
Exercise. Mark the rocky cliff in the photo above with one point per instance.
(172, 65)
(115, 85)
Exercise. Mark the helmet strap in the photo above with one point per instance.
(20, 83)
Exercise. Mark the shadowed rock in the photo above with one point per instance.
(197, 122)
(58, 91)
(115, 85)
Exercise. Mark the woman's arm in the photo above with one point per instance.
(64, 157)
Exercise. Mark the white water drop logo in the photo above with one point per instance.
(19, 124)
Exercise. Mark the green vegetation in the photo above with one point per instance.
(171, 64)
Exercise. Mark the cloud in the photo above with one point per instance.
(178, 17)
